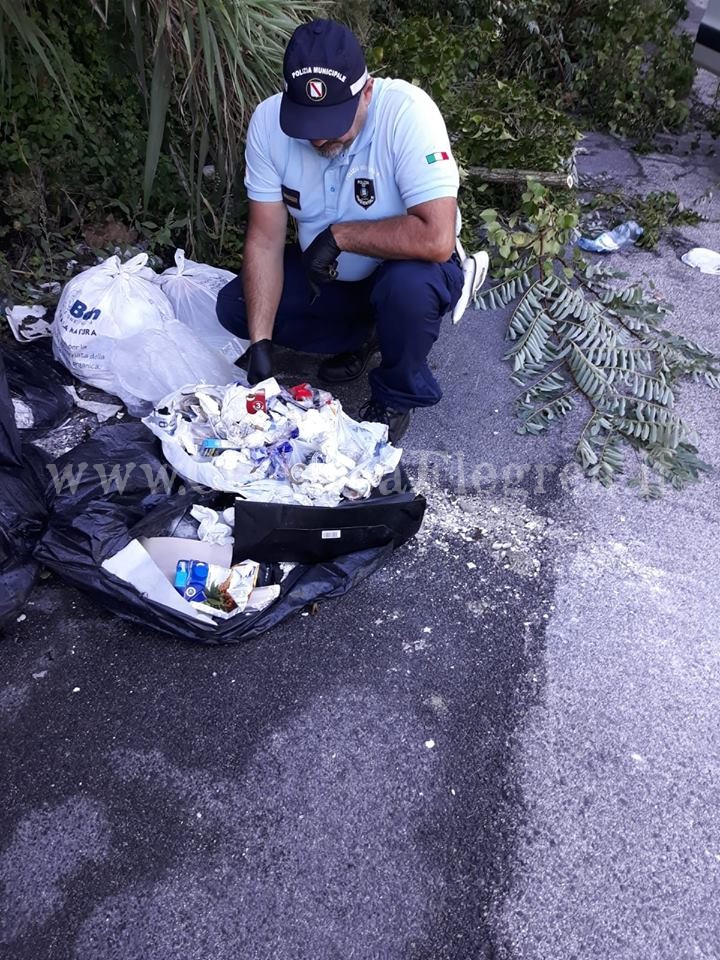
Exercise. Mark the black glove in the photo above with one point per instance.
(259, 361)
(320, 260)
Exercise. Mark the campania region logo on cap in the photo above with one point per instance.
(316, 89)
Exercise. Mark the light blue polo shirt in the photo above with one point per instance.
(402, 157)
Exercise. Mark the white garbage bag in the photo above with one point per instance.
(115, 329)
(101, 305)
(192, 288)
(153, 363)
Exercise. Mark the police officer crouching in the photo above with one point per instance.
(364, 166)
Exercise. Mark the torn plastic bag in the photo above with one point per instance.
(111, 490)
(156, 362)
(22, 509)
(192, 289)
(36, 381)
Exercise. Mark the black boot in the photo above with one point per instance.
(397, 421)
(347, 366)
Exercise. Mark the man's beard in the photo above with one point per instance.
(331, 150)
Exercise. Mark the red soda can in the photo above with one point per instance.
(302, 391)
(256, 401)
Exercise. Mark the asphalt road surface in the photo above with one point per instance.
(504, 745)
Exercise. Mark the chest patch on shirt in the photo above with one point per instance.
(291, 197)
(364, 191)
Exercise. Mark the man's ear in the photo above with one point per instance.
(368, 88)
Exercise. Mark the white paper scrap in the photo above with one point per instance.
(704, 260)
(103, 411)
(27, 323)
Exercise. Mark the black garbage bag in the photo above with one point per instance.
(101, 497)
(23, 511)
(34, 377)
(10, 443)
(23, 514)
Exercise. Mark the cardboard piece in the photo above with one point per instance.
(149, 565)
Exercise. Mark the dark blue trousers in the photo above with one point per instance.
(404, 299)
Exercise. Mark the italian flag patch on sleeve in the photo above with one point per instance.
(439, 155)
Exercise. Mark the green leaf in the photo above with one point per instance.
(159, 100)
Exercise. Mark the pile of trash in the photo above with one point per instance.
(189, 569)
(269, 443)
(290, 501)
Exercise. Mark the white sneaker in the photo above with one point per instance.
(475, 268)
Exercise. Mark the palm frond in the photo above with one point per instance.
(19, 20)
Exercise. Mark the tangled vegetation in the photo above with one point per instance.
(123, 123)
(619, 65)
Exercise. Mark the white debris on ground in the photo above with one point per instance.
(415, 646)
(504, 529)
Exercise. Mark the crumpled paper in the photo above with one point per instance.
(214, 528)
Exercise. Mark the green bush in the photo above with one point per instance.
(112, 114)
(622, 65)
(64, 171)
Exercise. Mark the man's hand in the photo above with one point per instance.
(259, 361)
(320, 260)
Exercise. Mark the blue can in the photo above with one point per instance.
(191, 578)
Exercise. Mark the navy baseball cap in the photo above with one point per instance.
(324, 70)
